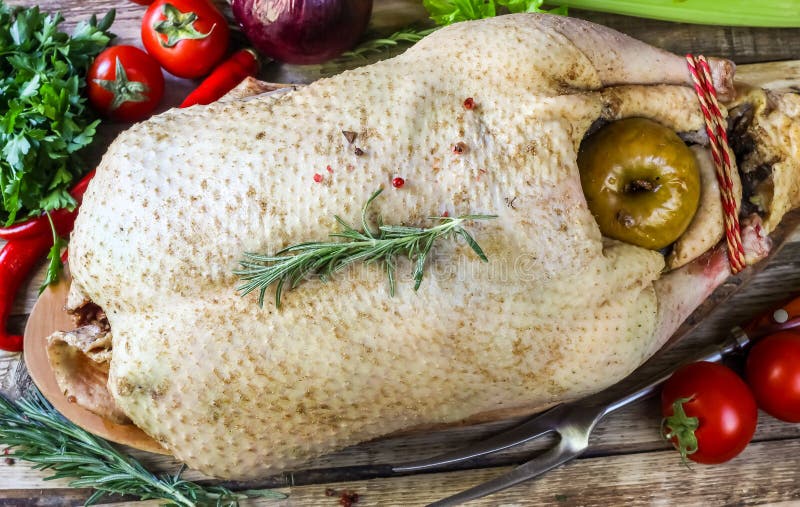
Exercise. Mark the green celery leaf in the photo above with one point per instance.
(445, 12)
(515, 6)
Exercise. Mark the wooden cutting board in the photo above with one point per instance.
(47, 317)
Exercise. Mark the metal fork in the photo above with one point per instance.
(572, 422)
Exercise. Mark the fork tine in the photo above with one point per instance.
(549, 459)
(532, 429)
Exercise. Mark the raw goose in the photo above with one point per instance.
(558, 312)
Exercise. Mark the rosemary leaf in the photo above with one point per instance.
(406, 35)
(35, 432)
(295, 263)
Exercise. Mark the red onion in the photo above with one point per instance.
(302, 31)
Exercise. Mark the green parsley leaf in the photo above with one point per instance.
(54, 265)
(44, 118)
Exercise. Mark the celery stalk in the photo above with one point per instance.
(768, 13)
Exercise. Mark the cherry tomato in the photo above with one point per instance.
(709, 412)
(773, 372)
(187, 37)
(125, 83)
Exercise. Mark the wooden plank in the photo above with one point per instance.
(740, 44)
(631, 431)
(765, 472)
(39, 498)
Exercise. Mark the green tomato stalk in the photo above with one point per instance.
(680, 430)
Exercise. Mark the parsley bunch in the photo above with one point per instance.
(44, 119)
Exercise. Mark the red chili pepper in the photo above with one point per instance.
(17, 259)
(28, 243)
(224, 78)
(40, 225)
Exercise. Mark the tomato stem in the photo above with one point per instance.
(178, 26)
(680, 430)
(123, 89)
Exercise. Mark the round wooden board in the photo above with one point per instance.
(48, 316)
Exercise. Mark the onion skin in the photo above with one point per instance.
(302, 31)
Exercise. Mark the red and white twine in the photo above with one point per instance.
(721, 152)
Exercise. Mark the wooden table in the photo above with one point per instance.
(627, 462)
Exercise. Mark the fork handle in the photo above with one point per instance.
(714, 353)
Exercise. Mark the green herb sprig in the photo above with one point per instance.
(408, 34)
(290, 266)
(35, 432)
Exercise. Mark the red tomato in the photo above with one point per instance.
(720, 414)
(773, 372)
(125, 83)
(187, 37)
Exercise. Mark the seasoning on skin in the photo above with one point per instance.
(317, 178)
(358, 151)
(398, 182)
(460, 148)
(329, 169)
(469, 103)
(349, 135)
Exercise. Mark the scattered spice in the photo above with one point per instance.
(358, 151)
(510, 202)
(469, 103)
(398, 182)
(459, 148)
(330, 169)
(446, 214)
(317, 178)
(346, 497)
(72, 399)
(10, 461)
(349, 135)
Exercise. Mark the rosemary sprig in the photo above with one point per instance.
(408, 34)
(293, 264)
(35, 432)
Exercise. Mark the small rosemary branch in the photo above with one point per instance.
(35, 432)
(293, 264)
(408, 34)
